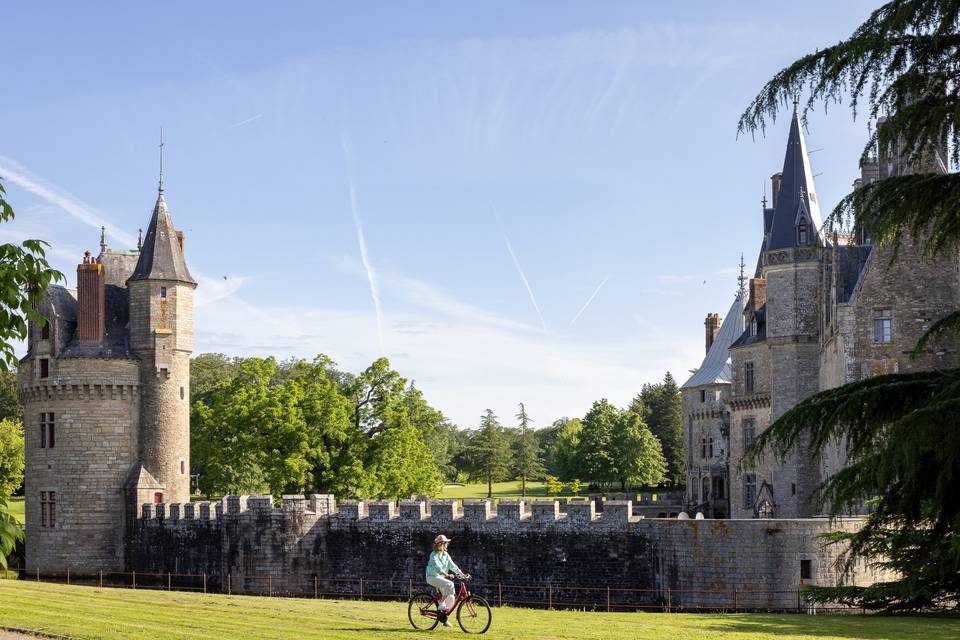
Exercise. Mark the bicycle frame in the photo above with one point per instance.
(462, 594)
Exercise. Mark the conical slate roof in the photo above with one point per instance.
(715, 367)
(160, 256)
(796, 193)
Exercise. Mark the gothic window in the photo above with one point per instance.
(44, 368)
(882, 326)
(749, 490)
(765, 509)
(753, 326)
(749, 431)
(48, 431)
(48, 509)
(802, 233)
(703, 448)
(748, 377)
(45, 330)
(711, 447)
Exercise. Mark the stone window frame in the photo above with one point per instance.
(711, 447)
(163, 293)
(44, 329)
(48, 509)
(802, 236)
(749, 490)
(48, 430)
(749, 377)
(749, 427)
(703, 396)
(883, 325)
(44, 368)
(703, 448)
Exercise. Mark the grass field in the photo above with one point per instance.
(16, 508)
(504, 490)
(87, 612)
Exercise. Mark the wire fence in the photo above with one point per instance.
(600, 598)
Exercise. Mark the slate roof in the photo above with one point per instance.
(851, 261)
(115, 343)
(746, 339)
(796, 192)
(160, 256)
(715, 367)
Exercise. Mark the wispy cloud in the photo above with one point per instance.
(20, 176)
(589, 300)
(361, 241)
(526, 283)
(247, 121)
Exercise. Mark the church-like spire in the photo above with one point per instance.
(161, 253)
(796, 218)
(742, 281)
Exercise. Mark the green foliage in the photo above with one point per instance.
(566, 447)
(24, 276)
(595, 450)
(291, 428)
(899, 432)
(526, 452)
(10, 407)
(575, 487)
(10, 532)
(488, 452)
(554, 486)
(636, 452)
(11, 456)
(660, 406)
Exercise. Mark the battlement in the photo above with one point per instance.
(433, 513)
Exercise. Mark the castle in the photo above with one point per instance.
(822, 311)
(105, 387)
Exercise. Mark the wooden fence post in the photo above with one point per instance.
(608, 598)
(734, 600)
(361, 588)
(134, 579)
(550, 596)
(204, 583)
(168, 581)
(315, 590)
(68, 575)
(409, 587)
(38, 574)
(101, 578)
(499, 595)
(229, 584)
(669, 600)
(270, 584)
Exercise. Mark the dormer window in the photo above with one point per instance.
(802, 233)
(753, 327)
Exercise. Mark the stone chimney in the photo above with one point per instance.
(775, 181)
(758, 293)
(90, 299)
(712, 324)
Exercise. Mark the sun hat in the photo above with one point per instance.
(441, 538)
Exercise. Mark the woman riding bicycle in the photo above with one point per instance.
(439, 566)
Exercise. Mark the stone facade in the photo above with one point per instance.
(693, 563)
(822, 312)
(105, 386)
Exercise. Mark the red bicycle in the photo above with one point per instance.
(473, 612)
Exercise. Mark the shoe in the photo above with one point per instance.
(446, 623)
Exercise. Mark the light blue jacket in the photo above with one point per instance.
(441, 563)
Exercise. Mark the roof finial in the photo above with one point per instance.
(764, 200)
(796, 101)
(161, 160)
(139, 239)
(741, 281)
(103, 239)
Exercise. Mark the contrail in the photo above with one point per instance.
(523, 277)
(371, 275)
(247, 121)
(19, 176)
(589, 300)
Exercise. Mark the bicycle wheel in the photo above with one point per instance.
(422, 611)
(474, 615)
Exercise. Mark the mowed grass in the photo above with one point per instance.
(15, 506)
(500, 490)
(87, 612)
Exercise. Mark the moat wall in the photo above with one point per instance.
(690, 563)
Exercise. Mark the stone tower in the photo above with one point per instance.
(161, 335)
(790, 267)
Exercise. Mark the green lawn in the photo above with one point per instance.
(16, 508)
(87, 612)
(505, 490)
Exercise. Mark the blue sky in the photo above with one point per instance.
(529, 202)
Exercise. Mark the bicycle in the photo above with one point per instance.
(473, 612)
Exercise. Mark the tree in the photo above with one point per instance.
(10, 407)
(372, 392)
(526, 453)
(900, 431)
(660, 406)
(208, 370)
(10, 533)
(594, 449)
(566, 449)
(489, 451)
(575, 486)
(24, 276)
(11, 456)
(554, 486)
(637, 454)
(401, 464)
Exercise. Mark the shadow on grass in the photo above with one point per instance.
(869, 627)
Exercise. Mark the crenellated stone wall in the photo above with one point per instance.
(520, 543)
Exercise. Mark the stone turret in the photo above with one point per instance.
(161, 334)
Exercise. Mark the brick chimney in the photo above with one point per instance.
(90, 292)
(775, 181)
(758, 293)
(712, 324)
